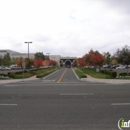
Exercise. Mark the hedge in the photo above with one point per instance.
(124, 74)
(113, 74)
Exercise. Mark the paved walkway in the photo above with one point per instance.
(110, 81)
(17, 80)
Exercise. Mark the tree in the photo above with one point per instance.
(39, 55)
(14, 60)
(38, 63)
(94, 58)
(81, 62)
(6, 59)
(123, 56)
(1, 59)
(53, 63)
(19, 62)
(29, 62)
(107, 56)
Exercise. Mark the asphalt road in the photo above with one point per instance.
(62, 102)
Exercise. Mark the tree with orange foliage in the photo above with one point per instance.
(19, 61)
(53, 63)
(81, 62)
(95, 58)
(38, 63)
(28, 62)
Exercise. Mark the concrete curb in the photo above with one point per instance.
(108, 81)
(76, 75)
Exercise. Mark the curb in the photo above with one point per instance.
(76, 75)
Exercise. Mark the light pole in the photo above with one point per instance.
(54, 61)
(28, 47)
(48, 55)
(54, 58)
(48, 58)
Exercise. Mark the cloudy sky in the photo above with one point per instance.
(64, 27)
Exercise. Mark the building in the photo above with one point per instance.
(60, 60)
(14, 54)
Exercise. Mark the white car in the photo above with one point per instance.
(6, 68)
(121, 67)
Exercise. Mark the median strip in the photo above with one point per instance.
(61, 76)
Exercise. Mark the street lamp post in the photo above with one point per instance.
(48, 55)
(28, 47)
(54, 58)
(48, 58)
(54, 61)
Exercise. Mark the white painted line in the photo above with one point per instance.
(10, 85)
(8, 104)
(76, 94)
(120, 104)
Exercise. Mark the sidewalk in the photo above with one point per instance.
(17, 80)
(109, 81)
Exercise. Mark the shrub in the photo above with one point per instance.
(123, 74)
(113, 74)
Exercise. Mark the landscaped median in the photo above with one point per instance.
(101, 74)
(45, 73)
(39, 73)
(80, 73)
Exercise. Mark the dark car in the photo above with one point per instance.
(68, 66)
(114, 66)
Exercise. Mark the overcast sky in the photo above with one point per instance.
(64, 27)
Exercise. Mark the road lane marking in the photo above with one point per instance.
(61, 76)
(8, 104)
(76, 94)
(120, 104)
(10, 85)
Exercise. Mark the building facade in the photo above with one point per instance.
(60, 60)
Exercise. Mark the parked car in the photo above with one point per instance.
(106, 66)
(86, 66)
(127, 66)
(121, 67)
(15, 67)
(1, 67)
(5, 68)
(114, 66)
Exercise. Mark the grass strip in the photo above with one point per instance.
(93, 73)
(45, 74)
(28, 74)
(80, 74)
